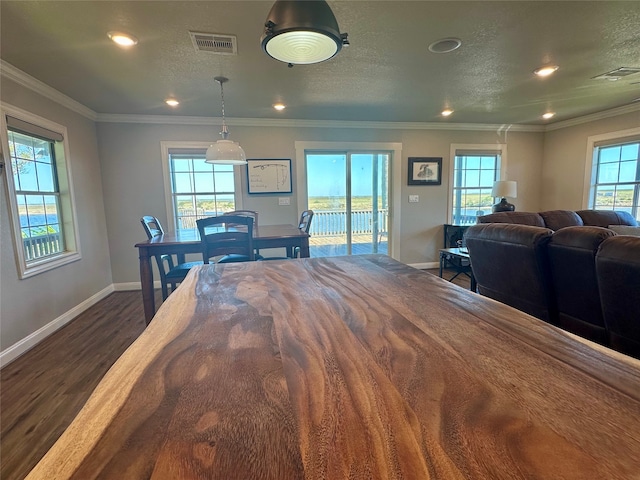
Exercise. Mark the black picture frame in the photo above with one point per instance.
(425, 171)
(269, 175)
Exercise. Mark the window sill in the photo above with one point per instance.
(44, 265)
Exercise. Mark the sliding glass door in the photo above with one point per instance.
(349, 194)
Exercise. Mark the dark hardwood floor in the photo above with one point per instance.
(43, 390)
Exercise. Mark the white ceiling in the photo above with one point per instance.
(387, 74)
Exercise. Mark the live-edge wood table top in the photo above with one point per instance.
(352, 368)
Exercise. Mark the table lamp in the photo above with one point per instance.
(504, 188)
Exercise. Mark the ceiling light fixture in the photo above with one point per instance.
(172, 102)
(225, 151)
(445, 45)
(122, 39)
(302, 32)
(546, 70)
(446, 112)
(548, 115)
(279, 106)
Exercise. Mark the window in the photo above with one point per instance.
(198, 189)
(41, 205)
(474, 172)
(616, 175)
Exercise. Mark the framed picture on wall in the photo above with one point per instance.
(425, 171)
(271, 175)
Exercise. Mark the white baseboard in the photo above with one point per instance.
(425, 266)
(121, 287)
(30, 341)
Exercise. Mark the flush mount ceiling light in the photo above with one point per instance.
(445, 45)
(172, 102)
(279, 106)
(446, 112)
(548, 115)
(122, 39)
(225, 151)
(546, 70)
(301, 32)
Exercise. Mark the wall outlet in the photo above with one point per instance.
(284, 201)
(414, 198)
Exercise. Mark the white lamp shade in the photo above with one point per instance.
(226, 152)
(505, 188)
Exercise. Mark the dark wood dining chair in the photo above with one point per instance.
(244, 213)
(305, 225)
(171, 273)
(228, 238)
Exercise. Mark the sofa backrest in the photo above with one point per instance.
(510, 265)
(572, 256)
(604, 218)
(520, 218)
(557, 219)
(618, 269)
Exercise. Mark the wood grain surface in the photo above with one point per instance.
(352, 368)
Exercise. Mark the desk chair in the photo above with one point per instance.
(170, 273)
(229, 237)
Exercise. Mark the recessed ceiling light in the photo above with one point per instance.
(279, 106)
(548, 115)
(122, 39)
(172, 102)
(445, 45)
(546, 70)
(446, 112)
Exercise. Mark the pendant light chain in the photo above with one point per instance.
(225, 130)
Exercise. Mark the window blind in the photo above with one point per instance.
(20, 126)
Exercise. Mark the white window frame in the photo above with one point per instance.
(69, 224)
(165, 146)
(480, 147)
(591, 161)
(395, 196)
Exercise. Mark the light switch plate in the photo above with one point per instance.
(284, 201)
(414, 198)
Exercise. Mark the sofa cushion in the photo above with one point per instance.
(618, 268)
(510, 265)
(557, 219)
(625, 230)
(604, 218)
(572, 253)
(521, 218)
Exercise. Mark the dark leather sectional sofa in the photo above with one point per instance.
(564, 267)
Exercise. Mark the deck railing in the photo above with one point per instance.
(325, 223)
(42, 246)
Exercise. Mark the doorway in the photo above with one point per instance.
(349, 194)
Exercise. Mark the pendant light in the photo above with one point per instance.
(225, 151)
(302, 32)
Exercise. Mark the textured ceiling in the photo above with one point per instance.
(387, 74)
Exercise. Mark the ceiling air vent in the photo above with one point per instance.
(215, 43)
(618, 73)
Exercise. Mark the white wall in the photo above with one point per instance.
(565, 157)
(30, 304)
(133, 184)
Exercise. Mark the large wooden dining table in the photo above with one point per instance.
(188, 241)
(352, 368)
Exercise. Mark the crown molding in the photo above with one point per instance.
(12, 73)
(613, 112)
(292, 123)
